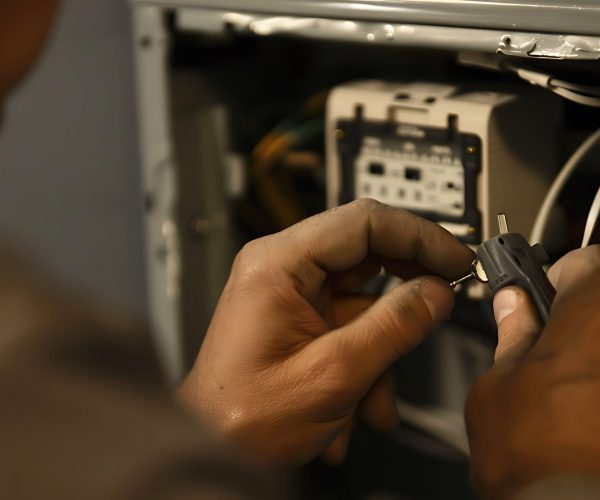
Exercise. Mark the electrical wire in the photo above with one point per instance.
(313, 106)
(581, 94)
(593, 222)
(577, 87)
(591, 101)
(586, 95)
(281, 203)
(543, 216)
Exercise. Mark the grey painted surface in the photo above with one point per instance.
(554, 16)
(69, 175)
(512, 43)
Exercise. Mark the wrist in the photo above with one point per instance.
(196, 395)
(231, 423)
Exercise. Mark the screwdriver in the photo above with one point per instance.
(508, 259)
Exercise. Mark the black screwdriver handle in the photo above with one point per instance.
(509, 260)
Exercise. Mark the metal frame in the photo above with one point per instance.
(508, 42)
(159, 185)
(545, 16)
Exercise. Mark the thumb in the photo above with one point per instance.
(519, 325)
(393, 326)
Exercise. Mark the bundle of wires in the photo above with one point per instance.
(279, 200)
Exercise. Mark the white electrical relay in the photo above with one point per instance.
(453, 154)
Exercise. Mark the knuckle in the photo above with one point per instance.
(337, 386)
(244, 256)
(580, 262)
(248, 262)
(367, 204)
(586, 260)
(589, 255)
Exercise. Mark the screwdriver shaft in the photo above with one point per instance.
(462, 280)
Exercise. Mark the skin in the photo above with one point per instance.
(292, 358)
(24, 28)
(538, 408)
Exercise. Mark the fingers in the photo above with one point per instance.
(346, 308)
(336, 452)
(406, 270)
(340, 239)
(574, 323)
(393, 326)
(379, 411)
(518, 323)
(378, 408)
(356, 276)
(573, 267)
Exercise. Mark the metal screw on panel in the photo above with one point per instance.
(339, 134)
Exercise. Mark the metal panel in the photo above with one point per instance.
(160, 188)
(549, 16)
(513, 43)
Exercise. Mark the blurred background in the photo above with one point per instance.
(70, 178)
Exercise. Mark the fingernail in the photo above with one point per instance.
(505, 303)
(438, 298)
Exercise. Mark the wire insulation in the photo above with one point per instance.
(593, 221)
(542, 219)
(575, 92)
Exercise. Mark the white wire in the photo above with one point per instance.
(576, 97)
(581, 94)
(576, 87)
(592, 221)
(539, 227)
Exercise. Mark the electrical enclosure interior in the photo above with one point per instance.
(256, 114)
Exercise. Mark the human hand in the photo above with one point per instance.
(536, 413)
(285, 365)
